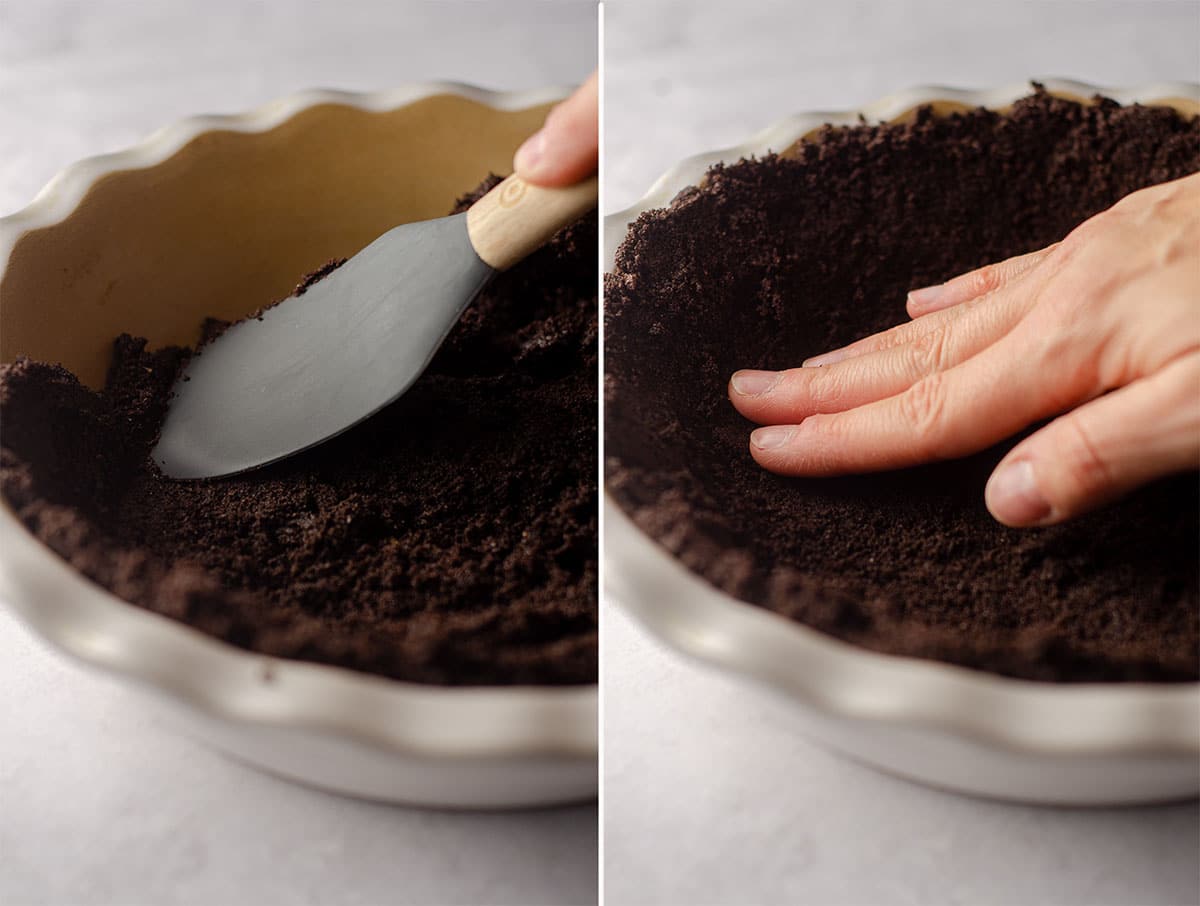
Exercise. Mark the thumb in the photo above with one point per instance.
(567, 147)
(1101, 450)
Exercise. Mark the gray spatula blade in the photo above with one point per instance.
(318, 363)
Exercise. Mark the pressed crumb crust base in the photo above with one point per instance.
(774, 260)
(451, 539)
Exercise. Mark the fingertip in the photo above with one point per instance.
(754, 383)
(530, 159)
(550, 170)
(769, 447)
(788, 450)
(1014, 496)
(772, 438)
(553, 159)
(914, 308)
(926, 300)
(751, 393)
(566, 149)
(736, 398)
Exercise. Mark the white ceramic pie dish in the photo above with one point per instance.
(98, 251)
(950, 727)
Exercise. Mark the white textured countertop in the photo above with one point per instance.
(99, 802)
(712, 795)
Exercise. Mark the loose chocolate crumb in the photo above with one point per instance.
(451, 539)
(774, 260)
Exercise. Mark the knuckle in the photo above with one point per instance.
(1087, 231)
(1056, 257)
(1089, 469)
(931, 351)
(825, 387)
(817, 426)
(1161, 205)
(1148, 201)
(923, 410)
(1126, 202)
(985, 280)
(1065, 341)
(821, 436)
(880, 342)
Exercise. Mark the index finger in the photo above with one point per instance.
(945, 415)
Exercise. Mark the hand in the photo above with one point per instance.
(1103, 326)
(567, 147)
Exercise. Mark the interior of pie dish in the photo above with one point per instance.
(706, 544)
(217, 217)
(232, 219)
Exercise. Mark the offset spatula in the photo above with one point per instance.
(322, 361)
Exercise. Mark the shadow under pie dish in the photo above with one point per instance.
(435, 614)
(906, 580)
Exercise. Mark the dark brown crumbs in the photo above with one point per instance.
(778, 259)
(319, 274)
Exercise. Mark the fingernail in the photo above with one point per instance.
(754, 383)
(926, 296)
(1013, 497)
(825, 358)
(771, 438)
(531, 152)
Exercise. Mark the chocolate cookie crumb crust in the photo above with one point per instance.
(449, 540)
(774, 260)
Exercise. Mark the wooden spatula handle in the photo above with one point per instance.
(517, 217)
